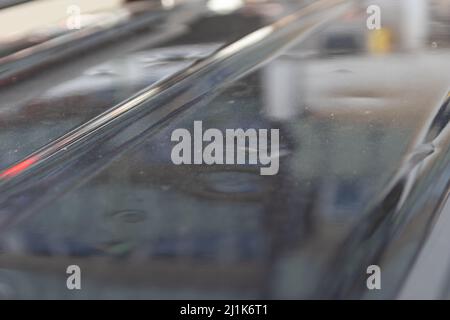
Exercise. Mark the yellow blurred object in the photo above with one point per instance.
(380, 41)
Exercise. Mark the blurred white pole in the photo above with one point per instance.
(415, 23)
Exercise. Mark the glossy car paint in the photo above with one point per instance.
(363, 164)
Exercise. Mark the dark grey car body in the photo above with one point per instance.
(87, 178)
